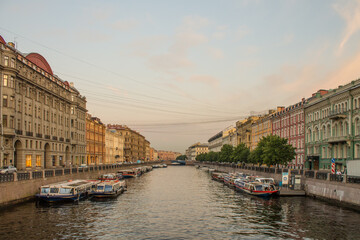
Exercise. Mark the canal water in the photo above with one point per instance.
(181, 202)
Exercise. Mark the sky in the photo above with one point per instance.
(181, 71)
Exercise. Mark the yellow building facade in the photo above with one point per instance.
(95, 140)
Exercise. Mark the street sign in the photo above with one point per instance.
(332, 168)
(333, 160)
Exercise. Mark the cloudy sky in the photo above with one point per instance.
(181, 71)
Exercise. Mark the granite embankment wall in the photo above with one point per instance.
(340, 191)
(22, 190)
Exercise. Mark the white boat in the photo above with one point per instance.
(66, 191)
(265, 180)
(108, 189)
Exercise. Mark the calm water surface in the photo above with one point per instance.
(181, 203)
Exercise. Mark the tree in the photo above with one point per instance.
(212, 157)
(277, 151)
(241, 153)
(201, 157)
(181, 157)
(226, 153)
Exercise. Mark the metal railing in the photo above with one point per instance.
(23, 176)
(36, 175)
(321, 175)
(8, 177)
(353, 179)
(58, 172)
(309, 174)
(336, 177)
(49, 173)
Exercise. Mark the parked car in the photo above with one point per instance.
(83, 165)
(8, 169)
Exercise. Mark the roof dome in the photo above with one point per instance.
(39, 61)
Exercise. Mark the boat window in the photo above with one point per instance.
(258, 188)
(100, 187)
(54, 190)
(45, 190)
(108, 188)
(65, 190)
(272, 187)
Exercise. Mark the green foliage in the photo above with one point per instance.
(272, 150)
(201, 157)
(212, 157)
(226, 153)
(181, 157)
(241, 153)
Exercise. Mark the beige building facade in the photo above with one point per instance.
(114, 145)
(42, 116)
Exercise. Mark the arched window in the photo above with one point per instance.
(355, 103)
(341, 129)
(357, 126)
(323, 132)
(309, 135)
(346, 106)
(346, 129)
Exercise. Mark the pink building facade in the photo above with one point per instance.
(290, 123)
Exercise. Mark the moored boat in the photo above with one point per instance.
(130, 173)
(217, 176)
(111, 176)
(69, 191)
(257, 188)
(108, 189)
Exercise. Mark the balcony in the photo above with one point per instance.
(338, 114)
(9, 132)
(39, 135)
(30, 134)
(67, 140)
(61, 139)
(54, 138)
(19, 132)
(47, 136)
(339, 139)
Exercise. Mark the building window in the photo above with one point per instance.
(5, 101)
(5, 79)
(12, 82)
(5, 121)
(6, 61)
(12, 64)
(38, 160)
(28, 160)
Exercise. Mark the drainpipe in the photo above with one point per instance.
(1, 119)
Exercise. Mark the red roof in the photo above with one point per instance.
(39, 61)
(2, 40)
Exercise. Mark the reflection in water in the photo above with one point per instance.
(181, 203)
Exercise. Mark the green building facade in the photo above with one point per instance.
(332, 128)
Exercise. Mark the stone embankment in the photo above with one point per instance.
(20, 187)
(341, 189)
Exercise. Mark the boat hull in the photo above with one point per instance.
(58, 199)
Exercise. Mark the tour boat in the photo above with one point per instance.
(218, 176)
(66, 191)
(257, 188)
(130, 173)
(111, 176)
(108, 189)
(265, 180)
